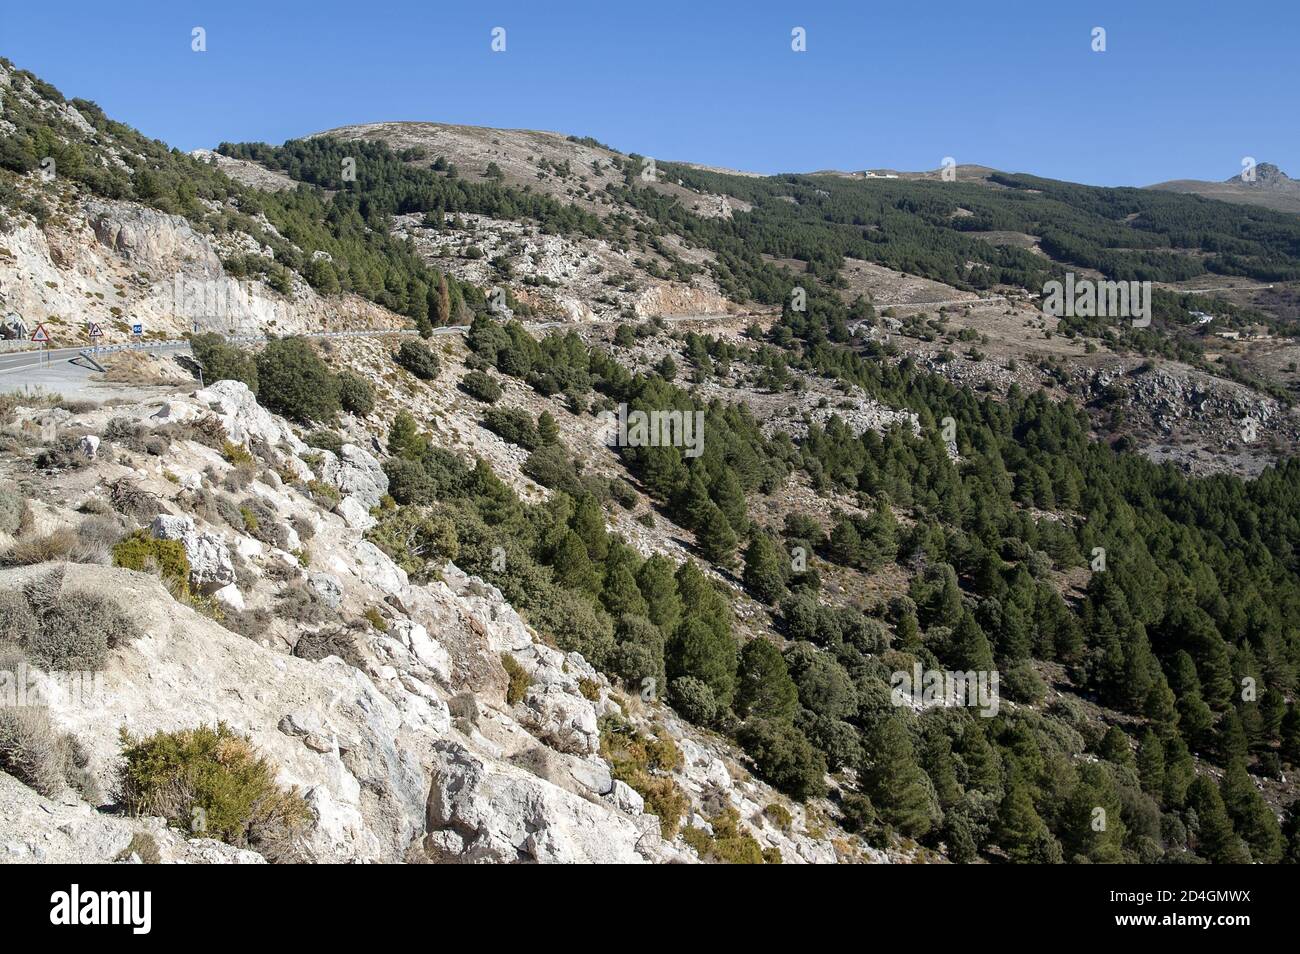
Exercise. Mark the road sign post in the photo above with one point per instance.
(95, 332)
(42, 337)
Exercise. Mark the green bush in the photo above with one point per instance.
(166, 558)
(784, 757)
(513, 425)
(419, 541)
(355, 394)
(221, 360)
(642, 761)
(481, 386)
(519, 679)
(211, 783)
(416, 357)
(325, 439)
(693, 699)
(295, 382)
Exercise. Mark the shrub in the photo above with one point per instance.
(779, 815)
(416, 357)
(165, 558)
(784, 757)
(29, 749)
(550, 466)
(1022, 684)
(419, 541)
(636, 759)
(295, 382)
(325, 439)
(221, 360)
(693, 699)
(235, 453)
(210, 782)
(65, 453)
(12, 507)
(729, 844)
(300, 603)
(481, 387)
(18, 623)
(513, 425)
(261, 520)
(519, 679)
(143, 849)
(355, 394)
(34, 753)
(76, 629)
(330, 642)
(55, 545)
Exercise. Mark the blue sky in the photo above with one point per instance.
(1185, 89)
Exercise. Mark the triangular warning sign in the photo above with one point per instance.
(95, 331)
(40, 334)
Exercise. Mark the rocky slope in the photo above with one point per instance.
(398, 730)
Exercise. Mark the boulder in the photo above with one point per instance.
(245, 419)
(89, 446)
(355, 514)
(565, 722)
(210, 563)
(480, 811)
(355, 472)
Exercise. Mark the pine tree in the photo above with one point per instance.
(1272, 709)
(1020, 830)
(1091, 826)
(1151, 764)
(621, 595)
(1290, 731)
(659, 589)
(716, 539)
(1161, 708)
(765, 689)
(1215, 839)
(589, 523)
(572, 565)
(898, 788)
(763, 575)
(1114, 747)
(1180, 770)
(547, 429)
(845, 546)
(1232, 745)
(970, 647)
(729, 495)
(1250, 814)
(938, 763)
(698, 650)
(882, 532)
(440, 312)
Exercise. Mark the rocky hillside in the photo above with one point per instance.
(419, 721)
(627, 546)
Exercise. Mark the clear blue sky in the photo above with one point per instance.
(1185, 89)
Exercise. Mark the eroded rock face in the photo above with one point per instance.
(355, 472)
(245, 419)
(210, 564)
(479, 812)
(565, 722)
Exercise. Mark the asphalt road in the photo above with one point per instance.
(67, 372)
